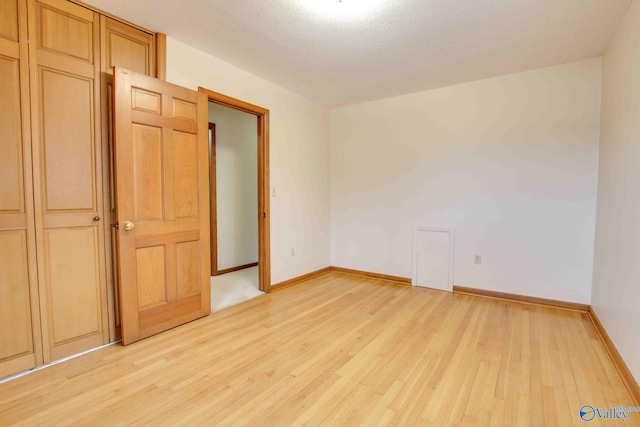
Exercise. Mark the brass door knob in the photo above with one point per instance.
(128, 226)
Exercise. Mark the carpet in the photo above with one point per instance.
(233, 288)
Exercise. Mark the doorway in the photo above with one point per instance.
(239, 191)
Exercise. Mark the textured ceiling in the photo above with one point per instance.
(337, 54)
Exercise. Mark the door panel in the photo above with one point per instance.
(68, 141)
(135, 50)
(188, 266)
(127, 47)
(21, 347)
(184, 110)
(71, 255)
(11, 170)
(125, 50)
(68, 33)
(185, 174)
(146, 101)
(67, 170)
(15, 307)
(147, 176)
(152, 284)
(433, 256)
(9, 20)
(164, 270)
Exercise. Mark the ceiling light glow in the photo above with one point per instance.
(344, 10)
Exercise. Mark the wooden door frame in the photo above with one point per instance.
(264, 212)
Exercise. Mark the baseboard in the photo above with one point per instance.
(522, 298)
(627, 377)
(300, 279)
(232, 269)
(396, 279)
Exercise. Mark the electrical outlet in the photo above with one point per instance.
(273, 191)
(477, 259)
(293, 252)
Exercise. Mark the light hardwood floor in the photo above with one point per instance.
(338, 350)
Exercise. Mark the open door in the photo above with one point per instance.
(162, 198)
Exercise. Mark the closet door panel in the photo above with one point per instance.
(71, 255)
(16, 333)
(11, 169)
(127, 47)
(9, 20)
(135, 50)
(67, 170)
(20, 346)
(68, 142)
(15, 321)
(67, 32)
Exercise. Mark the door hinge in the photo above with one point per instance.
(116, 225)
(264, 214)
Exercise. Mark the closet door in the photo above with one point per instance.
(67, 162)
(135, 50)
(20, 346)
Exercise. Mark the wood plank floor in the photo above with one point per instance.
(338, 350)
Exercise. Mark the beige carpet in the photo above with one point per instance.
(233, 288)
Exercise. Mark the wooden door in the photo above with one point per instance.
(65, 105)
(20, 344)
(134, 50)
(162, 199)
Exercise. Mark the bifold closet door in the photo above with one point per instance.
(134, 50)
(20, 346)
(67, 162)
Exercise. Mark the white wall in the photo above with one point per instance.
(509, 162)
(616, 274)
(299, 155)
(236, 186)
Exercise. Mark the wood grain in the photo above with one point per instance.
(235, 103)
(522, 298)
(232, 269)
(72, 280)
(161, 185)
(20, 331)
(473, 291)
(338, 350)
(11, 164)
(213, 199)
(161, 56)
(9, 20)
(111, 16)
(67, 173)
(15, 304)
(623, 369)
(299, 279)
(125, 45)
(379, 276)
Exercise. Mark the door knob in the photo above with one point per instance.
(128, 226)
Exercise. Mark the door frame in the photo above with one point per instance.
(264, 212)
